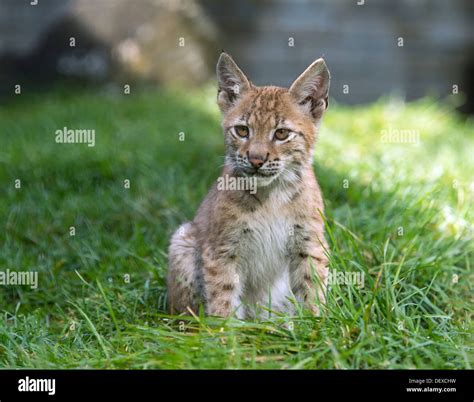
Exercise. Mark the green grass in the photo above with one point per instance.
(415, 310)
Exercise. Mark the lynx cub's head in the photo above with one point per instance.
(270, 131)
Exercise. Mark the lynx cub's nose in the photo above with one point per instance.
(256, 162)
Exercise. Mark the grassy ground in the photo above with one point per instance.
(399, 213)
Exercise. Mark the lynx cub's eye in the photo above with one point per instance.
(282, 134)
(242, 131)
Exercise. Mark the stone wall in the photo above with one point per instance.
(273, 40)
(359, 42)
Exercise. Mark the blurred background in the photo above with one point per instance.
(410, 48)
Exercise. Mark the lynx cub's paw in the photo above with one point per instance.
(257, 242)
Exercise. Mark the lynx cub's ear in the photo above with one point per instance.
(311, 89)
(231, 80)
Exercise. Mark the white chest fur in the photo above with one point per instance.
(263, 258)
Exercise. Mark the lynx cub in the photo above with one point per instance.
(252, 252)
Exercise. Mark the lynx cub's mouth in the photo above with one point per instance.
(263, 178)
(254, 250)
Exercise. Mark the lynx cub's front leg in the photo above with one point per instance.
(309, 272)
(221, 283)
